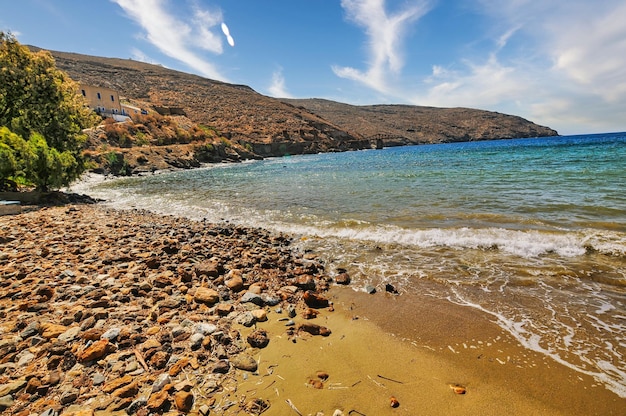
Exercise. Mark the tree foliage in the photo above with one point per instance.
(39, 104)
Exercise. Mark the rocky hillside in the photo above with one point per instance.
(247, 124)
(407, 124)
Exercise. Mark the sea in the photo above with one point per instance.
(532, 232)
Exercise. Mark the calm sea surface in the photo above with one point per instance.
(530, 231)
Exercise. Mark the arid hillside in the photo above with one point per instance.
(241, 124)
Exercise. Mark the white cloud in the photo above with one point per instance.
(277, 88)
(385, 34)
(175, 37)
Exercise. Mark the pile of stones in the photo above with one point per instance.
(107, 311)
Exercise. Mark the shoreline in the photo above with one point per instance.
(436, 344)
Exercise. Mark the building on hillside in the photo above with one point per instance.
(107, 103)
(104, 101)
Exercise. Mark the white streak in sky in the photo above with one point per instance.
(278, 88)
(179, 37)
(385, 34)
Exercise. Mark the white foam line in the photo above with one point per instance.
(516, 330)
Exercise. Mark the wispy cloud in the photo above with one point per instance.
(278, 88)
(180, 38)
(385, 34)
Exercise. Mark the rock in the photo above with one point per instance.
(69, 396)
(223, 309)
(343, 279)
(117, 383)
(258, 339)
(313, 300)
(246, 319)
(6, 402)
(206, 296)
(70, 334)
(370, 289)
(205, 328)
(250, 297)
(184, 401)
(10, 388)
(129, 390)
(24, 358)
(260, 315)
(389, 288)
(158, 401)
(111, 334)
(221, 367)
(159, 359)
(244, 362)
(195, 341)
(161, 382)
(136, 405)
(235, 283)
(314, 329)
(95, 351)
(210, 268)
(97, 379)
(30, 330)
(50, 330)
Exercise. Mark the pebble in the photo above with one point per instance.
(146, 300)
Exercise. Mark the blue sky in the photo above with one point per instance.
(560, 63)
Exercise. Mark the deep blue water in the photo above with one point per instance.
(540, 221)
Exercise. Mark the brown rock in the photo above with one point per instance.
(178, 366)
(184, 401)
(117, 383)
(260, 315)
(235, 283)
(95, 351)
(129, 390)
(244, 362)
(206, 296)
(159, 359)
(224, 309)
(313, 300)
(343, 279)
(159, 400)
(258, 339)
(314, 329)
(50, 330)
(210, 268)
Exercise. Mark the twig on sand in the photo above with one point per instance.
(355, 412)
(293, 407)
(390, 379)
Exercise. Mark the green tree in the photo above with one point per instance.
(38, 101)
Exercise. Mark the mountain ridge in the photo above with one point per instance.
(258, 126)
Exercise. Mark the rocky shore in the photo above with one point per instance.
(106, 311)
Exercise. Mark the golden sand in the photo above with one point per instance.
(438, 346)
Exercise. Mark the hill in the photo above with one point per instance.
(250, 125)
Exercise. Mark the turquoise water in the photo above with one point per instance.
(530, 231)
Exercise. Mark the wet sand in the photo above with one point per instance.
(416, 359)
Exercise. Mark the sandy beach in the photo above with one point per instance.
(195, 318)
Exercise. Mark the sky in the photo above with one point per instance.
(558, 63)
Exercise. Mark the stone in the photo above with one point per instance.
(195, 341)
(6, 402)
(244, 362)
(235, 283)
(223, 309)
(158, 401)
(246, 319)
(10, 388)
(70, 334)
(313, 300)
(210, 268)
(95, 351)
(260, 315)
(97, 379)
(117, 383)
(30, 330)
(50, 330)
(314, 329)
(129, 390)
(370, 289)
(184, 401)
(161, 381)
(111, 334)
(204, 328)
(258, 339)
(206, 296)
(252, 298)
(343, 279)
(221, 367)
(159, 359)
(69, 396)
